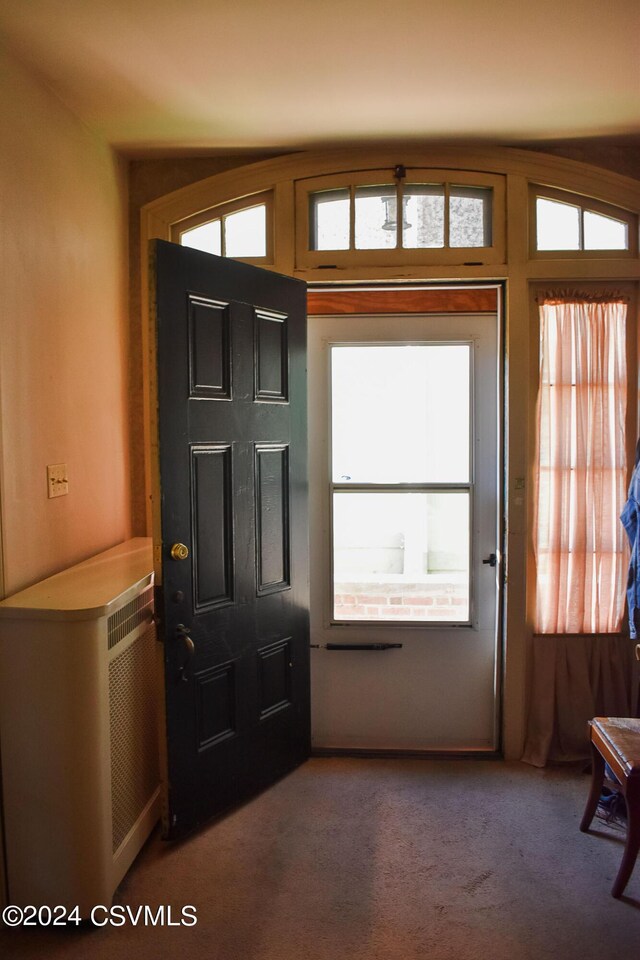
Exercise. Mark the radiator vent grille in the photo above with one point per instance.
(127, 618)
(133, 697)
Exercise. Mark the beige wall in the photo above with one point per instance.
(63, 334)
(620, 154)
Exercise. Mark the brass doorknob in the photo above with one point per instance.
(179, 551)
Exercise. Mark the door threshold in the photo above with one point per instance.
(382, 754)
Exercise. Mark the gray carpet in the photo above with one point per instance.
(393, 859)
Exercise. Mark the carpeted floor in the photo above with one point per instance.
(380, 860)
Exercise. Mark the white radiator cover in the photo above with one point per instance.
(79, 694)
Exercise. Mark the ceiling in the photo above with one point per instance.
(162, 76)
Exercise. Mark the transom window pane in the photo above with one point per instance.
(423, 224)
(470, 216)
(239, 234)
(436, 216)
(207, 237)
(604, 233)
(376, 217)
(329, 220)
(401, 556)
(400, 414)
(567, 226)
(558, 225)
(245, 232)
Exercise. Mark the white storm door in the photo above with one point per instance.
(404, 468)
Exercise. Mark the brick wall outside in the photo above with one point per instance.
(401, 601)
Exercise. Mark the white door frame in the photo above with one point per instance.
(319, 459)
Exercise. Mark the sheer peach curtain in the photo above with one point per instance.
(581, 664)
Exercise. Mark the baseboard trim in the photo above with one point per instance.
(406, 754)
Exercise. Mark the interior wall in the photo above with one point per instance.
(622, 155)
(63, 334)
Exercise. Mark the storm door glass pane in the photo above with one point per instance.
(245, 233)
(401, 556)
(470, 216)
(557, 225)
(376, 217)
(423, 224)
(207, 237)
(604, 233)
(329, 220)
(400, 414)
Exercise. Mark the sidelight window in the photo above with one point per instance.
(581, 469)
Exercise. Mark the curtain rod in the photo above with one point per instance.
(582, 296)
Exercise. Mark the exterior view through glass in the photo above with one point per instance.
(401, 481)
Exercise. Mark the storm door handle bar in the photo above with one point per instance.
(356, 646)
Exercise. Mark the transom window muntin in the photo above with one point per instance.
(241, 229)
(447, 217)
(401, 484)
(568, 225)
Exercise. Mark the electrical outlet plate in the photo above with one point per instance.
(57, 480)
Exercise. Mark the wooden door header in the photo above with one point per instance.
(408, 300)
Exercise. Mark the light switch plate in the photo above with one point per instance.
(57, 480)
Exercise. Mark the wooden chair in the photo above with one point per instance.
(616, 741)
